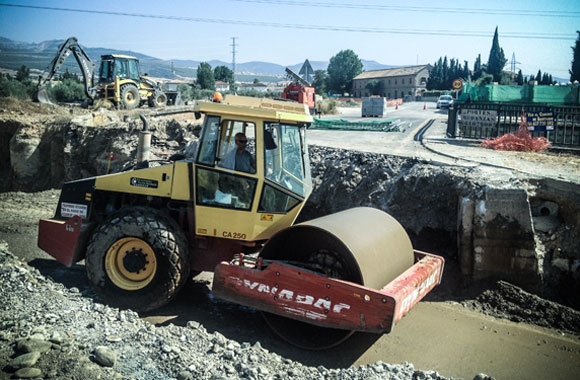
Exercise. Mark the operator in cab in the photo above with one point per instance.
(240, 159)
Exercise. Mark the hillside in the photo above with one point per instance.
(38, 55)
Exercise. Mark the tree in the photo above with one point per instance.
(477, 68)
(23, 73)
(520, 78)
(443, 73)
(375, 87)
(575, 70)
(539, 77)
(256, 81)
(546, 79)
(224, 74)
(319, 81)
(205, 78)
(342, 68)
(497, 59)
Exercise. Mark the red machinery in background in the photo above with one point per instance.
(300, 91)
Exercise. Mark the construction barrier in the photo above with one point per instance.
(560, 124)
(341, 124)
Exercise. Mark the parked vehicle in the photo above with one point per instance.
(444, 101)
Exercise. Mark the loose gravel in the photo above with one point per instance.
(52, 332)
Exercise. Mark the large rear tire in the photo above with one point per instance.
(130, 97)
(138, 259)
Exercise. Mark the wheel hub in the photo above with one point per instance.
(130, 263)
(135, 260)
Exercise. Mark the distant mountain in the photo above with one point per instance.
(14, 54)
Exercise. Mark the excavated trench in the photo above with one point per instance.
(488, 226)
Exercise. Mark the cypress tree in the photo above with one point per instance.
(477, 67)
(520, 78)
(497, 59)
(575, 70)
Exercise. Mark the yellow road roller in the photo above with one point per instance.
(230, 208)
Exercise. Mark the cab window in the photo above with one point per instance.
(218, 150)
(133, 69)
(224, 190)
(237, 149)
(209, 141)
(284, 152)
(120, 68)
(105, 71)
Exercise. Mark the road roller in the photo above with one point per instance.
(229, 205)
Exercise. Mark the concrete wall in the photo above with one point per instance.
(496, 238)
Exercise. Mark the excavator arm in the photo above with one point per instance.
(86, 65)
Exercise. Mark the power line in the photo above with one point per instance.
(518, 12)
(449, 33)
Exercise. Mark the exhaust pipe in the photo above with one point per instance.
(144, 142)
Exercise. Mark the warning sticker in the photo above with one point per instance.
(68, 210)
(144, 182)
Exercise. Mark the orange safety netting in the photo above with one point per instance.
(520, 141)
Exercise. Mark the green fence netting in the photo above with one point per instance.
(341, 124)
(520, 94)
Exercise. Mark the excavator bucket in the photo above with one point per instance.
(42, 95)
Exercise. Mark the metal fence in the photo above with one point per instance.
(566, 122)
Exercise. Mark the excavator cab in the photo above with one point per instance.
(124, 67)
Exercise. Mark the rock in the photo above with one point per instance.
(57, 337)
(482, 376)
(33, 345)
(25, 360)
(28, 373)
(184, 375)
(105, 356)
(193, 325)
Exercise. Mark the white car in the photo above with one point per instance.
(444, 101)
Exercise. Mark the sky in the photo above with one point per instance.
(541, 33)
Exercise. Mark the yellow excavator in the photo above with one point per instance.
(119, 79)
(144, 232)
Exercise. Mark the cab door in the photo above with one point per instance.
(225, 198)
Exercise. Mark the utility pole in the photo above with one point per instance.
(513, 63)
(234, 63)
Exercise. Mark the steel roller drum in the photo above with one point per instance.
(372, 248)
(362, 245)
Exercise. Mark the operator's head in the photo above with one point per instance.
(241, 140)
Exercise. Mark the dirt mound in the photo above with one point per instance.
(27, 111)
(508, 301)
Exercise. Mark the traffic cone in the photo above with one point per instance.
(425, 106)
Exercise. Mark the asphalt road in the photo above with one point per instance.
(409, 117)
